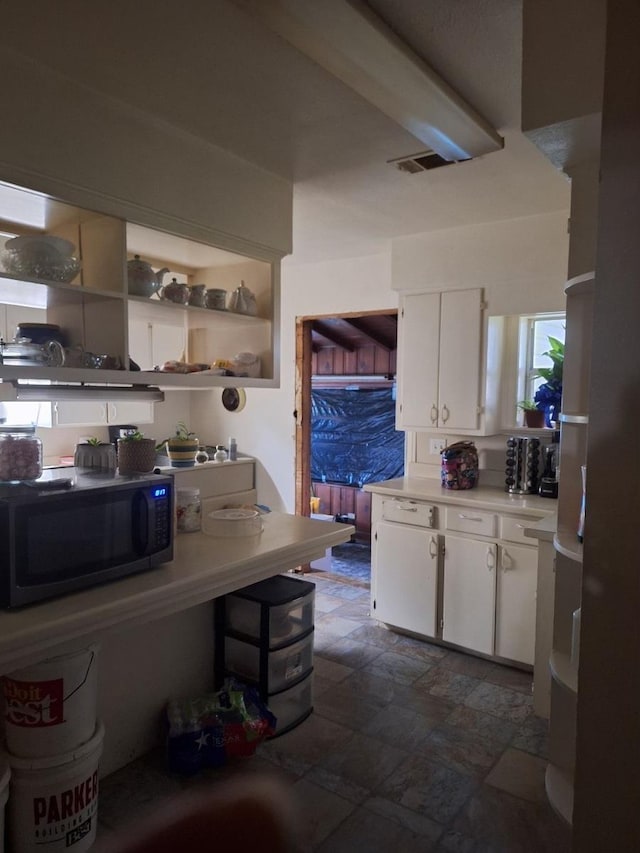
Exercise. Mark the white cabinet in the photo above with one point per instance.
(516, 603)
(469, 593)
(455, 573)
(81, 413)
(405, 560)
(439, 360)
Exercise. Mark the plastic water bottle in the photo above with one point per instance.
(233, 450)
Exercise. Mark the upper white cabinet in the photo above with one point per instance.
(448, 363)
(99, 317)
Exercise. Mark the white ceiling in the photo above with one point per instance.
(207, 66)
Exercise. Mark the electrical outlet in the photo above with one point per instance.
(437, 445)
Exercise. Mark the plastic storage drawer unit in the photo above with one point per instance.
(275, 612)
(281, 668)
(293, 705)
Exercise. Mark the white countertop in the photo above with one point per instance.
(203, 568)
(485, 497)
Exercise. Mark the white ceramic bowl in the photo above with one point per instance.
(233, 522)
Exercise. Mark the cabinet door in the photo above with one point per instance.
(469, 593)
(460, 359)
(405, 569)
(418, 361)
(516, 603)
(135, 412)
(80, 413)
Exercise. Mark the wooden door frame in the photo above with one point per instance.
(302, 412)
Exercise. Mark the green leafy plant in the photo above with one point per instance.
(556, 354)
(94, 442)
(182, 431)
(527, 406)
(133, 436)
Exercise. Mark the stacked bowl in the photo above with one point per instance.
(41, 256)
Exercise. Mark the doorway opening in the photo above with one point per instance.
(345, 425)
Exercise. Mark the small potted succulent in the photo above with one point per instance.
(136, 454)
(94, 455)
(533, 416)
(182, 447)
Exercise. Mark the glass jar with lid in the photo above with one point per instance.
(188, 509)
(20, 454)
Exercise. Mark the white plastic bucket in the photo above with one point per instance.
(5, 775)
(54, 801)
(50, 708)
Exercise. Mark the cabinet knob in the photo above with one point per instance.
(507, 562)
(433, 548)
(491, 559)
(445, 414)
(434, 414)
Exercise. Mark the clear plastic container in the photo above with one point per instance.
(20, 454)
(284, 666)
(282, 607)
(188, 510)
(293, 705)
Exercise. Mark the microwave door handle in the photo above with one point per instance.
(140, 523)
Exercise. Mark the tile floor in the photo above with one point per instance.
(411, 747)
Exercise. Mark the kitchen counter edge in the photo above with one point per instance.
(485, 497)
(203, 568)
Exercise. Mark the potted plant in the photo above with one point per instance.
(182, 447)
(94, 455)
(533, 416)
(136, 454)
(548, 396)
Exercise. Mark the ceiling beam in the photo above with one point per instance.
(376, 336)
(332, 335)
(346, 38)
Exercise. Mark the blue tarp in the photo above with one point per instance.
(353, 436)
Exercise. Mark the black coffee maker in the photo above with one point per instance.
(548, 487)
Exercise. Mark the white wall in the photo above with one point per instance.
(266, 428)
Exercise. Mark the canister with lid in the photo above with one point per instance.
(188, 509)
(20, 454)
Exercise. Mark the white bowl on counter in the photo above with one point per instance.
(230, 523)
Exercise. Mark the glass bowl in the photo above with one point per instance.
(63, 270)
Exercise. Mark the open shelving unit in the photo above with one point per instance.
(563, 663)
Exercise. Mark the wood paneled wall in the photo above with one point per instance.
(333, 361)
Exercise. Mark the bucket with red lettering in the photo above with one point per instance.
(5, 775)
(50, 708)
(53, 804)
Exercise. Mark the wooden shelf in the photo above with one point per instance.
(563, 671)
(578, 419)
(566, 543)
(580, 284)
(166, 304)
(559, 789)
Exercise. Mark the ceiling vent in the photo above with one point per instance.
(422, 162)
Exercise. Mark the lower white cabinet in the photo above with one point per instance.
(474, 587)
(469, 593)
(516, 603)
(405, 560)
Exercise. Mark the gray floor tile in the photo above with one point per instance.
(484, 725)
(533, 736)
(318, 812)
(398, 668)
(367, 831)
(351, 653)
(428, 788)
(502, 823)
(501, 702)
(364, 761)
(462, 751)
(400, 727)
(306, 744)
(446, 684)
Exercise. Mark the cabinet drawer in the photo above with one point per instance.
(409, 512)
(512, 529)
(471, 521)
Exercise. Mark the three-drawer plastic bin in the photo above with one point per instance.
(264, 636)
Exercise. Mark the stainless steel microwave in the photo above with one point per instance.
(67, 533)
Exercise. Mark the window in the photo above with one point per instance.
(19, 414)
(534, 342)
